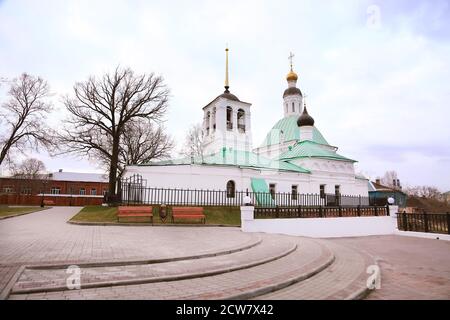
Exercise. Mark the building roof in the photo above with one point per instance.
(310, 149)
(78, 176)
(292, 91)
(242, 159)
(291, 132)
(373, 186)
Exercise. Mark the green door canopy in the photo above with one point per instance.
(262, 193)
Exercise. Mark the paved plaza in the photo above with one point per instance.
(145, 262)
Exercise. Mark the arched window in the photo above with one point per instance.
(286, 107)
(229, 118)
(230, 189)
(208, 118)
(214, 119)
(241, 120)
(293, 107)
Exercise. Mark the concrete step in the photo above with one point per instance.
(39, 279)
(344, 279)
(309, 258)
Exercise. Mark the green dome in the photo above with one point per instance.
(291, 132)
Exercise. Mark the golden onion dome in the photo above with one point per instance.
(291, 76)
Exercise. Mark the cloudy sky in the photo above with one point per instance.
(377, 73)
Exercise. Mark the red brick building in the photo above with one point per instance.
(64, 188)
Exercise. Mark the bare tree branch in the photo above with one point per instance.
(103, 109)
(24, 115)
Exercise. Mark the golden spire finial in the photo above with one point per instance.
(227, 85)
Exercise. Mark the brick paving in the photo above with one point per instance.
(411, 268)
(269, 249)
(309, 256)
(339, 281)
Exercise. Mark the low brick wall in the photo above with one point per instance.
(19, 199)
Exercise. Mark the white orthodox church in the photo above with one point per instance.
(293, 157)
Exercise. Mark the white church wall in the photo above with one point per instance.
(320, 227)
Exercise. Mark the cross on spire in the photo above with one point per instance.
(291, 56)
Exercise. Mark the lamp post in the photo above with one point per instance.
(44, 182)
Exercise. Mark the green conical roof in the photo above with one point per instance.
(291, 132)
(310, 149)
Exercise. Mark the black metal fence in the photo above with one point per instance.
(319, 212)
(424, 222)
(133, 190)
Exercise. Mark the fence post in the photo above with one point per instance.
(320, 212)
(448, 222)
(405, 222)
(299, 211)
(359, 211)
(277, 212)
(425, 220)
(376, 211)
(340, 211)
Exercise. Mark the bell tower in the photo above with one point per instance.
(226, 121)
(292, 96)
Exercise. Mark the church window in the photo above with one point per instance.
(337, 193)
(293, 107)
(231, 189)
(272, 190)
(294, 194)
(241, 120)
(286, 107)
(208, 118)
(322, 191)
(229, 118)
(214, 119)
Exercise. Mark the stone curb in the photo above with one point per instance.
(282, 284)
(22, 214)
(12, 281)
(145, 224)
(148, 261)
(163, 278)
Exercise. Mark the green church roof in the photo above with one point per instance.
(244, 159)
(291, 131)
(310, 149)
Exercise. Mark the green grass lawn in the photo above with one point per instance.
(214, 215)
(12, 211)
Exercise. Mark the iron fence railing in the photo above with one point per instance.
(319, 212)
(424, 222)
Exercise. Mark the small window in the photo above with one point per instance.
(26, 191)
(8, 189)
(230, 189)
(322, 191)
(55, 190)
(82, 191)
(293, 107)
(294, 194)
(93, 191)
(272, 190)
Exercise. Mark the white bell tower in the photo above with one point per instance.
(226, 122)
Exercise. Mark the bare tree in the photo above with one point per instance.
(141, 142)
(31, 168)
(389, 177)
(429, 192)
(102, 108)
(22, 116)
(194, 142)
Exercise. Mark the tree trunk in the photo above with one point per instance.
(113, 167)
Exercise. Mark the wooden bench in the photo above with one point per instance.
(188, 213)
(134, 211)
(48, 202)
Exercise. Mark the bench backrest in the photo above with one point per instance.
(187, 210)
(133, 209)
